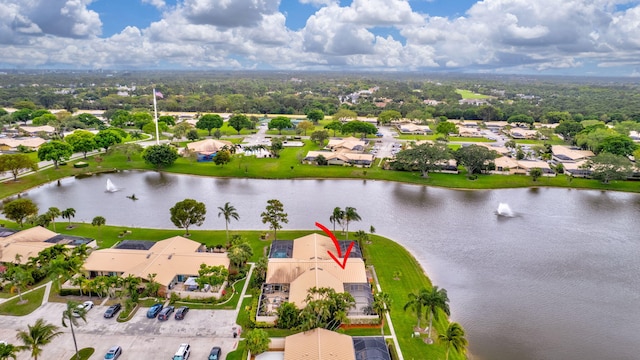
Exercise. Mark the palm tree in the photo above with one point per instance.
(435, 299)
(336, 217)
(53, 213)
(239, 254)
(229, 212)
(416, 302)
(37, 336)
(68, 214)
(72, 313)
(350, 215)
(98, 221)
(19, 277)
(8, 351)
(454, 338)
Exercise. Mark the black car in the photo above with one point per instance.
(215, 353)
(165, 314)
(112, 310)
(181, 312)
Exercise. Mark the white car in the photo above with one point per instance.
(86, 306)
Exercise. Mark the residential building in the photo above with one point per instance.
(30, 242)
(206, 149)
(566, 154)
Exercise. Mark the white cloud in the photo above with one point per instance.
(537, 35)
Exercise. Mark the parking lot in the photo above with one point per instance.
(140, 337)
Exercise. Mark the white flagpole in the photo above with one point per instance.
(155, 112)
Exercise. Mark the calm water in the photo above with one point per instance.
(559, 280)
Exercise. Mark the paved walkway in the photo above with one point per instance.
(388, 318)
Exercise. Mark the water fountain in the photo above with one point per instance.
(111, 187)
(504, 210)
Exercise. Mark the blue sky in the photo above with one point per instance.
(577, 37)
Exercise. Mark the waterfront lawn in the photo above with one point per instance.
(467, 94)
(387, 257)
(33, 298)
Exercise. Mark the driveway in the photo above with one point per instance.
(140, 337)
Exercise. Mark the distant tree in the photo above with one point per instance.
(454, 338)
(319, 137)
(568, 129)
(192, 135)
(37, 336)
(142, 118)
(276, 146)
(72, 314)
(321, 160)
(362, 127)
(553, 117)
(106, 138)
(53, 213)
(188, 212)
(167, 119)
(239, 122)
(474, 158)
(229, 212)
(280, 123)
(304, 126)
(89, 120)
(350, 214)
(345, 115)
(82, 141)
(209, 122)
(288, 314)
(257, 341)
(8, 351)
(335, 126)
(15, 163)
(150, 128)
(445, 128)
(386, 116)
(222, 157)
(607, 166)
(160, 156)
(68, 214)
(55, 151)
(18, 210)
(181, 129)
(21, 115)
(424, 157)
(127, 149)
(98, 221)
(520, 119)
(274, 215)
(621, 145)
(315, 115)
(535, 173)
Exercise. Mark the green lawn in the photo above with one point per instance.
(467, 94)
(33, 301)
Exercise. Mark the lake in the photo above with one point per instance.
(558, 280)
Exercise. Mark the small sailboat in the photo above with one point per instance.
(111, 187)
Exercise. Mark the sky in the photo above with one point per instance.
(547, 37)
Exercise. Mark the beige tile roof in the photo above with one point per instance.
(347, 143)
(26, 250)
(33, 142)
(34, 234)
(299, 288)
(506, 162)
(37, 129)
(571, 153)
(166, 259)
(208, 145)
(319, 344)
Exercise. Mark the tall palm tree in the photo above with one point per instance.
(8, 351)
(36, 336)
(336, 217)
(20, 277)
(350, 215)
(98, 221)
(53, 213)
(435, 299)
(416, 302)
(68, 214)
(454, 338)
(229, 212)
(71, 314)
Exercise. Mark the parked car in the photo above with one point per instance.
(112, 310)
(113, 353)
(183, 352)
(165, 314)
(181, 312)
(86, 306)
(154, 310)
(215, 353)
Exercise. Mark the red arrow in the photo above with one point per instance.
(337, 245)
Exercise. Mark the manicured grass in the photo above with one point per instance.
(240, 353)
(83, 354)
(12, 307)
(467, 94)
